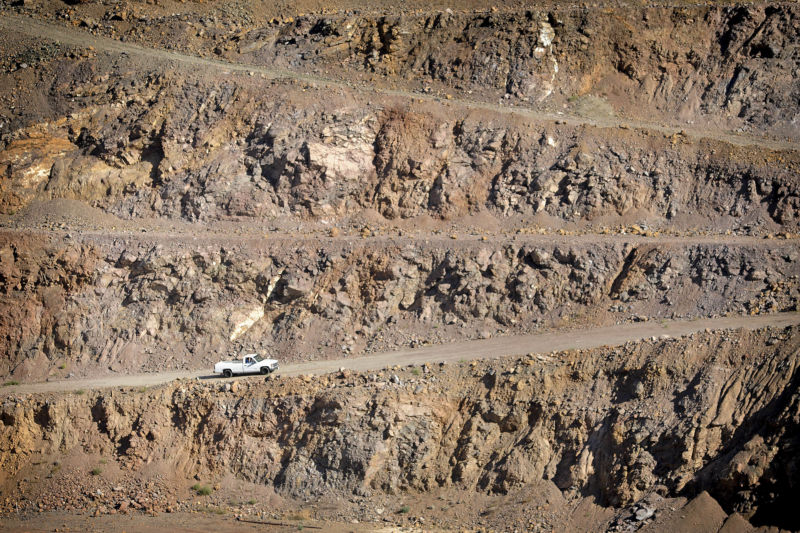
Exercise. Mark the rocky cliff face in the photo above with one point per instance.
(123, 304)
(731, 65)
(190, 151)
(693, 63)
(715, 411)
(292, 157)
(228, 176)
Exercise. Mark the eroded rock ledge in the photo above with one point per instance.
(714, 411)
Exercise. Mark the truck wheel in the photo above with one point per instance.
(227, 373)
(264, 370)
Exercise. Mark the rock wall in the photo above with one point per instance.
(730, 65)
(186, 150)
(132, 305)
(688, 63)
(714, 411)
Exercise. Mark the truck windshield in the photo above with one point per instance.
(257, 359)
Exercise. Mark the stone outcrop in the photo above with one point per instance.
(715, 411)
(145, 305)
(182, 150)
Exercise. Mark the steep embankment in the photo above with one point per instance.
(141, 304)
(139, 134)
(205, 151)
(183, 181)
(715, 411)
(729, 66)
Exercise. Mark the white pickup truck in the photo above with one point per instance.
(250, 364)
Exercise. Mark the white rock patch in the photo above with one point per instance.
(254, 316)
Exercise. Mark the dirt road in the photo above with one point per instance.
(454, 352)
(69, 36)
(167, 232)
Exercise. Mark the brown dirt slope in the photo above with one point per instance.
(622, 425)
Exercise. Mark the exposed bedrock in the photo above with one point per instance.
(182, 150)
(715, 411)
(728, 65)
(147, 304)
